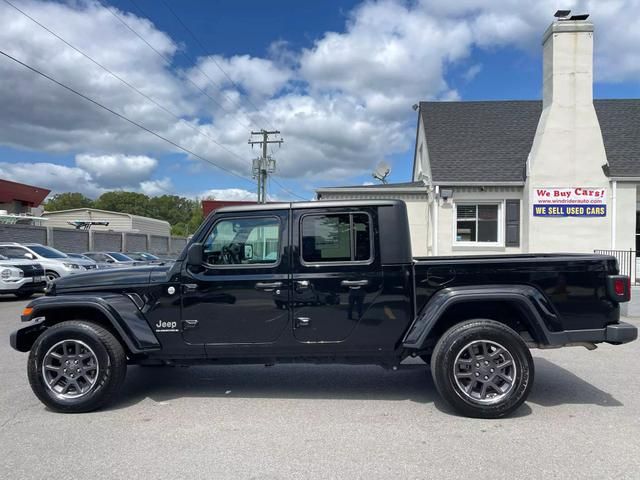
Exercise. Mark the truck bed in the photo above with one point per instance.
(574, 285)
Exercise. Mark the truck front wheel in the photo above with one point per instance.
(482, 368)
(76, 366)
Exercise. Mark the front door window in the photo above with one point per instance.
(243, 241)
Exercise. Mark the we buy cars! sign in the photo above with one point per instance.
(569, 202)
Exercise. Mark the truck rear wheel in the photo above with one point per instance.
(76, 366)
(482, 368)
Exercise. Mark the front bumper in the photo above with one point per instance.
(22, 286)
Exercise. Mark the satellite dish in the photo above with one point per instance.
(381, 171)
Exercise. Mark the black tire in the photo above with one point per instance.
(51, 275)
(104, 348)
(24, 295)
(459, 375)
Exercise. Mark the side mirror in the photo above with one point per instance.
(30, 256)
(195, 255)
(110, 260)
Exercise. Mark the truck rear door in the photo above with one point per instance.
(336, 272)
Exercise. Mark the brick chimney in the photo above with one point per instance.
(568, 151)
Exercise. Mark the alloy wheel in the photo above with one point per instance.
(484, 372)
(70, 369)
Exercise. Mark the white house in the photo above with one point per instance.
(557, 175)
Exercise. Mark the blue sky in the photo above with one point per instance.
(337, 77)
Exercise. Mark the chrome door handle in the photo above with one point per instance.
(268, 286)
(187, 324)
(302, 284)
(354, 283)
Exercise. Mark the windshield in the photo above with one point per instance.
(120, 257)
(143, 256)
(47, 252)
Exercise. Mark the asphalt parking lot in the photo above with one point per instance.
(582, 420)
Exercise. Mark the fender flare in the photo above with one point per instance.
(119, 309)
(529, 300)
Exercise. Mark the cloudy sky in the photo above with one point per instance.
(338, 78)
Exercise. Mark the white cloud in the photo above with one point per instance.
(117, 171)
(57, 178)
(237, 194)
(472, 72)
(153, 188)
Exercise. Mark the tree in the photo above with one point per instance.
(125, 202)
(66, 201)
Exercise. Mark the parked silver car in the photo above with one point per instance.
(55, 263)
(21, 277)
(115, 259)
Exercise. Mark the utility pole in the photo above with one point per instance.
(264, 165)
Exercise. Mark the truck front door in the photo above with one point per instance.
(236, 295)
(336, 272)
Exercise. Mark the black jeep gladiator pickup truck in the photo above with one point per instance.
(320, 282)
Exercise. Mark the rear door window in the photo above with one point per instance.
(340, 237)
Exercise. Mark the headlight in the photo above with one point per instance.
(71, 265)
(11, 273)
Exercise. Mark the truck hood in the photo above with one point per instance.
(111, 278)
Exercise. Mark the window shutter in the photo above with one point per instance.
(512, 223)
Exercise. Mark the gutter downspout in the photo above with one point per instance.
(614, 194)
(436, 206)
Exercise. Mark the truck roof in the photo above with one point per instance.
(313, 204)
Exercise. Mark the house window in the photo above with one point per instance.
(477, 223)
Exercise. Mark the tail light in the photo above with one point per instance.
(619, 288)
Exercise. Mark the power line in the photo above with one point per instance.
(133, 122)
(168, 61)
(284, 189)
(88, 57)
(204, 50)
(195, 63)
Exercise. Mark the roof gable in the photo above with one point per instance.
(491, 140)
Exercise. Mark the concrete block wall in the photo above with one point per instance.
(78, 241)
(158, 245)
(177, 245)
(106, 241)
(68, 240)
(23, 234)
(135, 242)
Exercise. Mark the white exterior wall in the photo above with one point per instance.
(422, 167)
(150, 226)
(117, 222)
(568, 150)
(626, 207)
(447, 227)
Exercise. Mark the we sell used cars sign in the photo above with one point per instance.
(569, 202)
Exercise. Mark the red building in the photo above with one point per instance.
(19, 198)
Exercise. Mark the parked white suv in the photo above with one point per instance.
(21, 278)
(55, 263)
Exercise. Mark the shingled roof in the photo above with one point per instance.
(489, 141)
